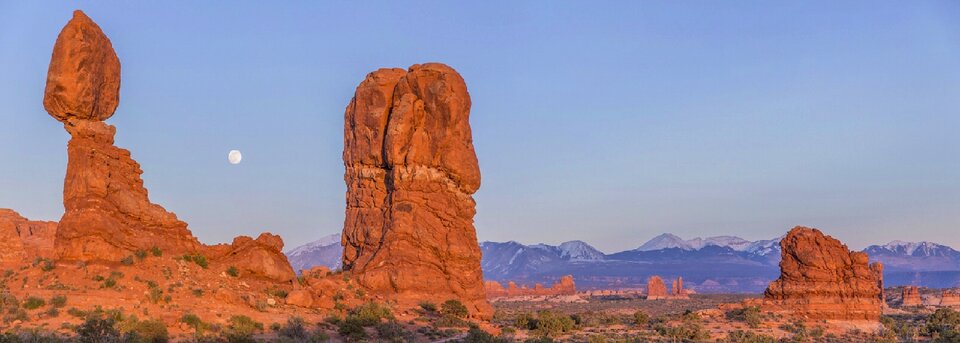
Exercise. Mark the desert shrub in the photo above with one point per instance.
(197, 292)
(31, 336)
(475, 335)
(294, 330)
(943, 325)
(369, 314)
(525, 320)
(552, 324)
(740, 336)
(141, 254)
(58, 301)
(33, 303)
(47, 265)
(428, 306)
(52, 312)
(352, 329)
(390, 331)
(454, 307)
(73, 311)
(277, 292)
(749, 315)
(232, 271)
(155, 294)
(641, 318)
(193, 321)
(198, 259)
(97, 330)
(156, 252)
(688, 331)
(240, 328)
(127, 261)
(146, 331)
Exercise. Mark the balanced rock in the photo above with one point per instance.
(411, 172)
(83, 81)
(911, 296)
(821, 279)
(656, 289)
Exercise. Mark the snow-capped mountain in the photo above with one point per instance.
(667, 241)
(579, 250)
(917, 249)
(325, 252)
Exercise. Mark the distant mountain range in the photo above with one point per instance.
(721, 264)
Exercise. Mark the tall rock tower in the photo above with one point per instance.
(411, 172)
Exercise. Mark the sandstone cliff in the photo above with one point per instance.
(565, 286)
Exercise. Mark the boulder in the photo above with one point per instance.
(911, 296)
(656, 289)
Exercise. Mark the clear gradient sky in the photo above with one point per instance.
(609, 122)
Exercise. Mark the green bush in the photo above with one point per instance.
(242, 327)
(58, 301)
(428, 306)
(156, 251)
(96, 330)
(47, 265)
(749, 315)
(390, 332)
(454, 308)
(641, 318)
(127, 261)
(232, 271)
(740, 336)
(369, 314)
(352, 329)
(33, 303)
(198, 259)
(147, 331)
(551, 324)
(141, 254)
(475, 335)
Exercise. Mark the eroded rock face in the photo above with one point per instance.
(23, 239)
(261, 257)
(821, 279)
(83, 81)
(565, 286)
(411, 171)
(656, 289)
(950, 297)
(677, 290)
(911, 296)
(108, 213)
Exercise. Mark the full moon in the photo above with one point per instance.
(234, 157)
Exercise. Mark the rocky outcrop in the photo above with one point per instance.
(411, 171)
(950, 297)
(911, 296)
(656, 289)
(821, 279)
(565, 286)
(678, 291)
(108, 214)
(261, 257)
(22, 239)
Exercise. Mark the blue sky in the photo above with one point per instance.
(609, 122)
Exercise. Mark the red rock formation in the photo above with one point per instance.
(911, 296)
(821, 279)
(261, 257)
(411, 172)
(83, 81)
(656, 289)
(565, 286)
(109, 215)
(23, 239)
(677, 290)
(950, 297)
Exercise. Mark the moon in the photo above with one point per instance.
(234, 157)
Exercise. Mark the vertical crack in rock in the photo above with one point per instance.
(411, 172)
